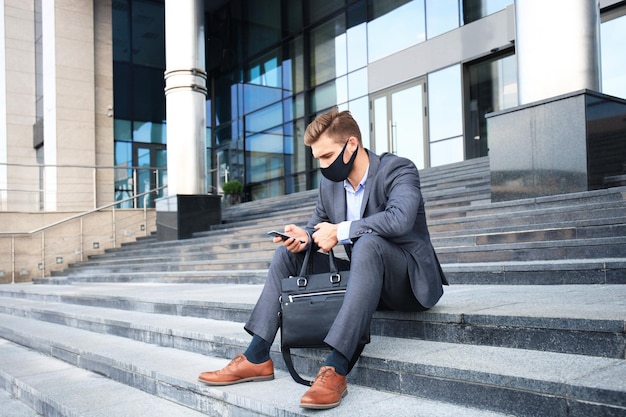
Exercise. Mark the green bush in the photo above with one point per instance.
(232, 187)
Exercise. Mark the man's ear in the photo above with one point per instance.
(354, 143)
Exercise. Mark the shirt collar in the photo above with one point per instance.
(348, 186)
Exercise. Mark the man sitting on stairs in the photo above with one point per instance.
(373, 205)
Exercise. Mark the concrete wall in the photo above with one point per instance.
(23, 254)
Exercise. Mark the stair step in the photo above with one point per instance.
(558, 319)
(506, 380)
(156, 380)
(12, 406)
(52, 387)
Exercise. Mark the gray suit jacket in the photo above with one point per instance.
(392, 208)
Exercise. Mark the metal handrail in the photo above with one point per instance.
(79, 216)
(86, 213)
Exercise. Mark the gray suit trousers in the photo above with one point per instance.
(378, 280)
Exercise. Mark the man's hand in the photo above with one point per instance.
(299, 234)
(325, 236)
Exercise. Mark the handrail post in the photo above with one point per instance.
(95, 192)
(145, 215)
(12, 259)
(82, 240)
(135, 187)
(43, 253)
(114, 228)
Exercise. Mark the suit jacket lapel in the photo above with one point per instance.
(374, 162)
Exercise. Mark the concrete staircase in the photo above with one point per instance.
(532, 325)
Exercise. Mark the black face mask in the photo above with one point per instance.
(338, 171)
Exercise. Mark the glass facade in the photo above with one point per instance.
(138, 98)
(273, 65)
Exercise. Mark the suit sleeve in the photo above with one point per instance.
(394, 202)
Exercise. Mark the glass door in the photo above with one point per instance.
(399, 116)
(150, 160)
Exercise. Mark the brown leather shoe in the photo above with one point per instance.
(327, 390)
(239, 370)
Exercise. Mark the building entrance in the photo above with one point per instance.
(151, 162)
(399, 122)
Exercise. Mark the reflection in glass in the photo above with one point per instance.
(264, 119)
(359, 109)
(381, 129)
(492, 87)
(293, 68)
(328, 49)
(357, 50)
(477, 9)
(122, 130)
(148, 27)
(612, 37)
(397, 30)
(441, 16)
(445, 114)
(264, 155)
(446, 151)
(329, 94)
(149, 132)
(357, 84)
(407, 124)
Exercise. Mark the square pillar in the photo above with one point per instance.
(570, 143)
(180, 216)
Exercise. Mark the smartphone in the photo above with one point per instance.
(281, 235)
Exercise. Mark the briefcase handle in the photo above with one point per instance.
(308, 262)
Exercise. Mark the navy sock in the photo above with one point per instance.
(258, 351)
(338, 361)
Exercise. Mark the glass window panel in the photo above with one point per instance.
(324, 97)
(264, 154)
(441, 16)
(264, 119)
(341, 87)
(320, 9)
(613, 33)
(357, 84)
(148, 23)
(122, 130)
(357, 47)
(299, 154)
(446, 151)
(381, 126)
(361, 113)
(295, 183)
(293, 68)
(257, 96)
(148, 132)
(266, 190)
(324, 50)
(341, 57)
(262, 25)
(121, 30)
(123, 176)
(445, 114)
(122, 91)
(123, 153)
(477, 9)
(409, 28)
(294, 16)
(148, 87)
(492, 87)
(407, 125)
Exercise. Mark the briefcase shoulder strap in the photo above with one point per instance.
(292, 370)
(296, 376)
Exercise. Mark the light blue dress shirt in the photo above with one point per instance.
(354, 200)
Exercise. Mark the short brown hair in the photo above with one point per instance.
(338, 125)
